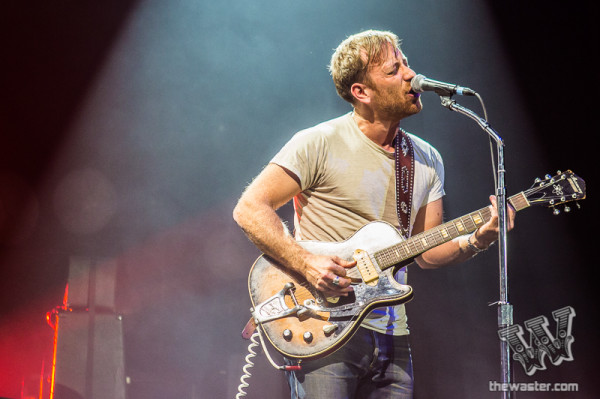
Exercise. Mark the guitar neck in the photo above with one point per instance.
(426, 240)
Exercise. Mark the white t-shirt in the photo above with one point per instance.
(348, 181)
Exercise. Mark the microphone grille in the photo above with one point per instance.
(416, 83)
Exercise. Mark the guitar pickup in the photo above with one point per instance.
(275, 307)
(365, 266)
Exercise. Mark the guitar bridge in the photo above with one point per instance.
(275, 307)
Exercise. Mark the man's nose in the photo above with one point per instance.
(409, 74)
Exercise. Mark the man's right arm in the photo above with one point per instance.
(256, 214)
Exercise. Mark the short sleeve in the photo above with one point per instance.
(304, 155)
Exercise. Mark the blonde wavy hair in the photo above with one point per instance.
(353, 57)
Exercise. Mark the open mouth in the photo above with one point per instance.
(413, 93)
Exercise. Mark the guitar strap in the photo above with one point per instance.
(405, 177)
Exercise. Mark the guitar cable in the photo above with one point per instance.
(249, 363)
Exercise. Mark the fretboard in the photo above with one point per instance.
(426, 240)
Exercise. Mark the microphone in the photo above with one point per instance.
(420, 83)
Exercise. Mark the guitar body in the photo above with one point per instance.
(298, 320)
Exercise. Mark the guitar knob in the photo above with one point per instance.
(287, 334)
(308, 337)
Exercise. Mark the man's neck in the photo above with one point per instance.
(381, 132)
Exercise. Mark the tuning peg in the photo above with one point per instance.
(537, 180)
(548, 177)
(555, 211)
(567, 209)
(577, 204)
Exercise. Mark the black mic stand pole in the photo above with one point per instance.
(505, 311)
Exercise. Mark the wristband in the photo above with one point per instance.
(473, 247)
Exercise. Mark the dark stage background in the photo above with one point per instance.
(129, 129)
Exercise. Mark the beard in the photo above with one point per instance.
(396, 104)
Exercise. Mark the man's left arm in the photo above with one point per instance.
(458, 249)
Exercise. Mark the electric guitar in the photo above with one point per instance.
(300, 322)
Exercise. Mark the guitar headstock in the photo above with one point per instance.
(556, 190)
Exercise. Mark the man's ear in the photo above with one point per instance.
(361, 92)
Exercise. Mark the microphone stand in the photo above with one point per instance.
(505, 311)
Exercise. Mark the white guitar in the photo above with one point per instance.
(301, 323)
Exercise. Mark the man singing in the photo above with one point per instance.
(341, 175)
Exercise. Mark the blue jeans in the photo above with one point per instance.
(370, 365)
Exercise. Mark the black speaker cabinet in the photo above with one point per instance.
(89, 359)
